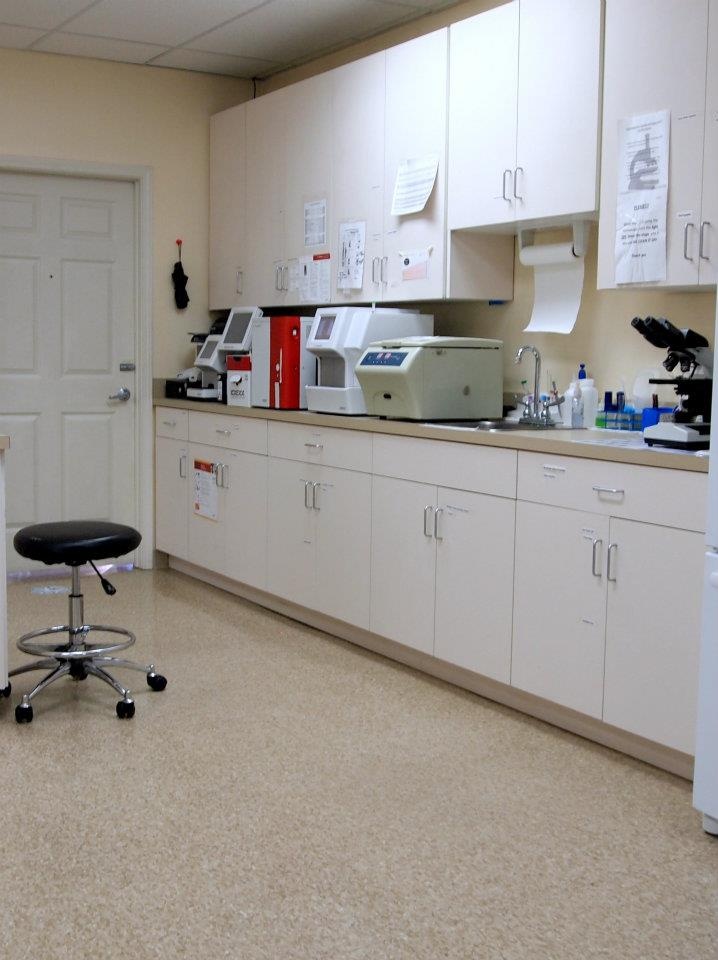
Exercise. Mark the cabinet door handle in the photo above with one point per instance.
(169, 423)
(613, 490)
(428, 523)
(225, 476)
(285, 278)
(503, 185)
(225, 433)
(610, 572)
(517, 195)
(238, 284)
(217, 468)
(276, 277)
(384, 270)
(314, 446)
(596, 567)
(307, 485)
(686, 227)
(437, 512)
(315, 496)
(183, 466)
(701, 240)
(374, 266)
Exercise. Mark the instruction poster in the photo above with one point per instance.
(641, 204)
(206, 493)
(314, 278)
(352, 242)
(315, 223)
(413, 185)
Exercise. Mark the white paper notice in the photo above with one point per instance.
(315, 278)
(415, 264)
(315, 223)
(414, 183)
(352, 241)
(643, 144)
(205, 490)
(558, 283)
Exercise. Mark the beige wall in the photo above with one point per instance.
(602, 337)
(82, 109)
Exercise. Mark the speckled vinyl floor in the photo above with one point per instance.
(291, 797)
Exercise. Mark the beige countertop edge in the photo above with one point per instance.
(569, 443)
(4, 443)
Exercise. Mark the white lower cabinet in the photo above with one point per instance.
(318, 538)
(234, 544)
(653, 631)
(442, 562)
(172, 496)
(607, 619)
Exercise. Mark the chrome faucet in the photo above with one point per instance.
(531, 411)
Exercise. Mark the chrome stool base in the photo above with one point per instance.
(79, 659)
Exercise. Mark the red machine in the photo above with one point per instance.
(282, 367)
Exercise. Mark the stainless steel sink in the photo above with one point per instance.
(494, 426)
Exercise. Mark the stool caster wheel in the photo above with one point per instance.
(156, 681)
(125, 709)
(23, 713)
(6, 691)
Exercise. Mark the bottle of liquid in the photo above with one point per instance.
(590, 402)
(577, 410)
(567, 405)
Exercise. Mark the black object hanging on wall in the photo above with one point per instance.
(179, 279)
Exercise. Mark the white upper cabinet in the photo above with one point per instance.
(227, 211)
(656, 58)
(524, 95)
(415, 129)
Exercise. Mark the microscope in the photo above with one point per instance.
(689, 351)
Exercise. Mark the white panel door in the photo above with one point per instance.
(705, 784)
(474, 582)
(653, 641)
(245, 485)
(342, 500)
(560, 606)
(483, 79)
(403, 562)
(358, 166)
(415, 128)
(67, 322)
(558, 107)
(708, 269)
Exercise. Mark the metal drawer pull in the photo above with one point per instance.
(610, 572)
(217, 468)
(437, 535)
(169, 423)
(594, 571)
(314, 446)
(550, 466)
(428, 525)
(225, 476)
(225, 432)
(307, 485)
(183, 466)
(613, 490)
(685, 241)
(315, 496)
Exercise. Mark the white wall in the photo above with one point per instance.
(96, 110)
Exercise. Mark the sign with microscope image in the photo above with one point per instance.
(641, 203)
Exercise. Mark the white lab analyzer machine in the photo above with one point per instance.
(433, 378)
(338, 338)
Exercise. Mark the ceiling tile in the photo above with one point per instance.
(43, 14)
(17, 36)
(100, 47)
(246, 67)
(167, 22)
(285, 30)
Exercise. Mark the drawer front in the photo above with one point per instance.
(347, 449)
(172, 423)
(669, 498)
(233, 433)
(462, 466)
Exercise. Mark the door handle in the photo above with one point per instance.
(240, 278)
(437, 512)
(315, 496)
(225, 475)
(374, 265)
(701, 240)
(183, 466)
(122, 394)
(217, 467)
(503, 185)
(610, 572)
(517, 196)
(685, 241)
(307, 485)
(428, 523)
(594, 555)
(384, 274)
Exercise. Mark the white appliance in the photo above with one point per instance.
(338, 338)
(433, 378)
(230, 334)
(705, 781)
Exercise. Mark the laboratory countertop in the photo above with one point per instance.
(617, 446)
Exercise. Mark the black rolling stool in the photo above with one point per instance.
(74, 543)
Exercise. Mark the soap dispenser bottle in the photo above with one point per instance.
(589, 394)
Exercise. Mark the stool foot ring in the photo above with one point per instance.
(77, 648)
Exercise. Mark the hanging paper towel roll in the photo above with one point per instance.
(558, 283)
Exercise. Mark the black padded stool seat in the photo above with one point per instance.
(75, 542)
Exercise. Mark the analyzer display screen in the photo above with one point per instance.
(384, 358)
(325, 327)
